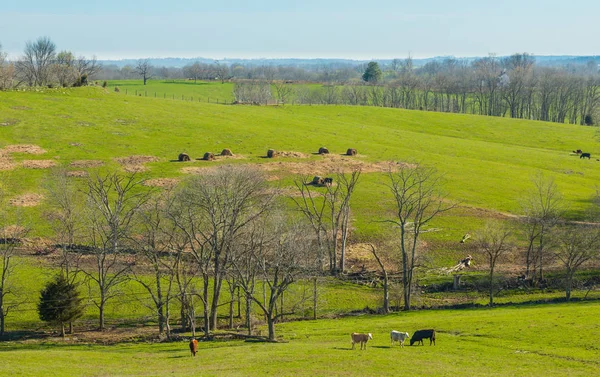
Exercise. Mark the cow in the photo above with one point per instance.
(584, 155)
(361, 338)
(328, 181)
(194, 347)
(418, 337)
(397, 336)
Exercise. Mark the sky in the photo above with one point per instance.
(349, 29)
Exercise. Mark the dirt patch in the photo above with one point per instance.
(332, 163)
(9, 122)
(38, 164)
(64, 116)
(26, 200)
(21, 108)
(6, 163)
(162, 182)
(135, 164)
(23, 148)
(359, 257)
(77, 174)
(86, 163)
(292, 154)
(86, 124)
(198, 170)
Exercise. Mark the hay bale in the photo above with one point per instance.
(351, 152)
(208, 156)
(323, 150)
(226, 152)
(183, 157)
(318, 181)
(271, 153)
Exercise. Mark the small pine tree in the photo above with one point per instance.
(60, 303)
(588, 120)
(372, 73)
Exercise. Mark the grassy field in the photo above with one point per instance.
(186, 90)
(487, 162)
(529, 340)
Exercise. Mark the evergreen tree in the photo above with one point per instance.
(60, 303)
(372, 73)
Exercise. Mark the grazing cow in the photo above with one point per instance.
(584, 155)
(397, 336)
(194, 346)
(578, 151)
(328, 181)
(361, 338)
(418, 337)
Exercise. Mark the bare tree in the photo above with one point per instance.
(417, 201)
(64, 68)
(543, 208)
(576, 245)
(87, 68)
(386, 281)
(7, 71)
(216, 208)
(66, 206)
(284, 91)
(11, 236)
(144, 69)
(277, 257)
(221, 72)
(34, 66)
(493, 244)
(155, 253)
(113, 201)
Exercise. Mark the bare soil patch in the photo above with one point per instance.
(21, 108)
(292, 154)
(77, 173)
(24, 148)
(331, 163)
(26, 200)
(6, 163)
(10, 122)
(38, 164)
(360, 258)
(86, 163)
(134, 164)
(162, 182)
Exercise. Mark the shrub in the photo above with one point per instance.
(588, 120)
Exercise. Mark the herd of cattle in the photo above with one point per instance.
(362, 339)
(396, 336)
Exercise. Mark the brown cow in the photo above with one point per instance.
(194, 346)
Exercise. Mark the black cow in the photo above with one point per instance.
(584, 155)
(419, 335)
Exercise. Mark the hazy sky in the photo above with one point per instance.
(303, 29)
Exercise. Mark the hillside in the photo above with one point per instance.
(487, 162)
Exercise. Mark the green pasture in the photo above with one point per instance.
(522, 340)
(186, 90)
(487, 162)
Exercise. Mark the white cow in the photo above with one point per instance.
(397, 336)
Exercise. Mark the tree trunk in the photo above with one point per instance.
(315, 298)
(386, 294)
(271, 325)
(101, 328)
(62, 329)
(1, 321)
(491, 287)
(248, 309)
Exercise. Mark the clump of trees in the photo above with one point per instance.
(42, 65)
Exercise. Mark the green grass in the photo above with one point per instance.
(487, 162)
(529, 340)
(186, 90)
